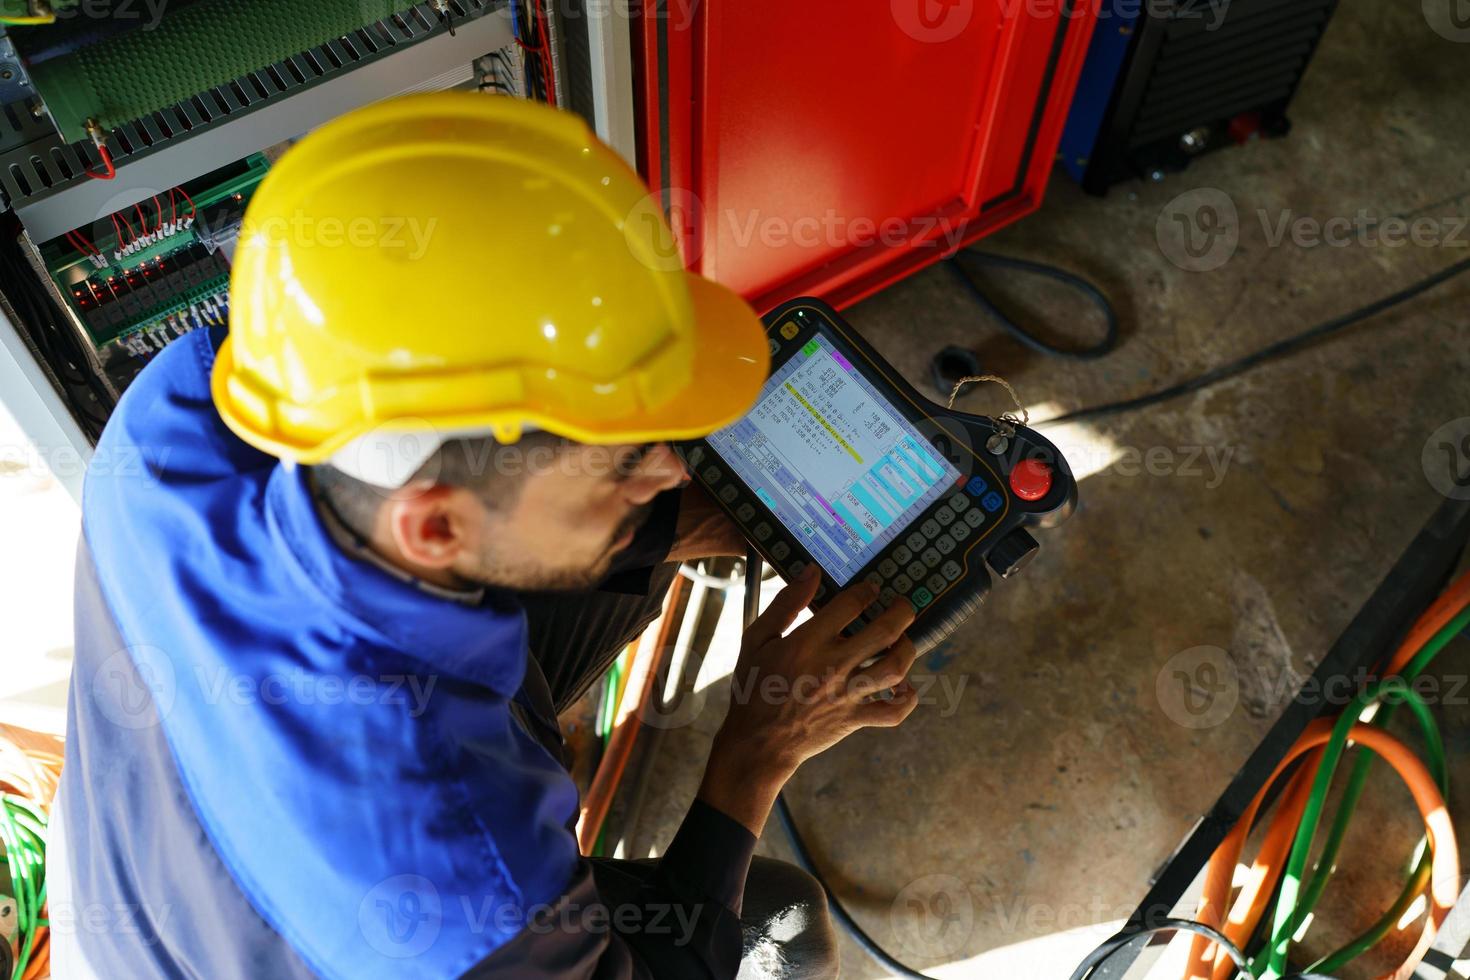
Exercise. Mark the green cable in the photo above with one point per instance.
(1356, 947)
(1285, 922)
(22, 834)
(1438, 768)
(1351, 795)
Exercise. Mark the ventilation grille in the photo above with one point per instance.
(1211, 67)
(41, 164)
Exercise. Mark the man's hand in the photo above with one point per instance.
(703, 530)
(794, 696)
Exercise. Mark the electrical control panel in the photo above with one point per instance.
(132, 137)
(139, 277)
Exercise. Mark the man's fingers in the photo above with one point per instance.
(888, 672)
(891, 712)
(835, 615)
(878, 635)
(784, 609)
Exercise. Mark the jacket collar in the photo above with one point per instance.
(484, 643)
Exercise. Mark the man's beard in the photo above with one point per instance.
(526, 577)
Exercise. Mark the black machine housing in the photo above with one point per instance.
(980, 448)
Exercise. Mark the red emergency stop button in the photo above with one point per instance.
(1031, 479)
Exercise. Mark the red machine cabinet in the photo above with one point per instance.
(831, 147)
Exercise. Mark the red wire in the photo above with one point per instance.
(173, 210)
(548, 73)
(159, 208)
(189, 199)
(81, 244)
(106, 156)
(126, 223)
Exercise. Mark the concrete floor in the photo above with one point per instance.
(996, 824)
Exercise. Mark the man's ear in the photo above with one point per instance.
(429, 524)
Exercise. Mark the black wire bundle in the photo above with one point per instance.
(42, 324)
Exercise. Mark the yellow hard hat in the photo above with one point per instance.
(459, 263)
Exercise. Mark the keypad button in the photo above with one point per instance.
(992, 501)
(930, 528)
(729, 494)
(762, 531)
(713, 474)
(696, 456)
(975, 517)
(959, 530)
(887, 568)
(951, 570)
(794, 571)
(976, 486)
(944, 515)
(780, 550)
(959, 503)
(775, 345)
(931, 558)
(874, 578)
(902, 583)
(922, 597)
(790, 329)
(744, 512)
(902, 554)
(886, 597)
(937, 583)
(917, 570)
(916, 541)
(945, 543)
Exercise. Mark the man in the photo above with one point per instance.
(319, 647)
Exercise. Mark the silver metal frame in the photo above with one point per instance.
(32, 398)
(610, 41)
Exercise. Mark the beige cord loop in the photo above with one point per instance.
(1023, 419)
